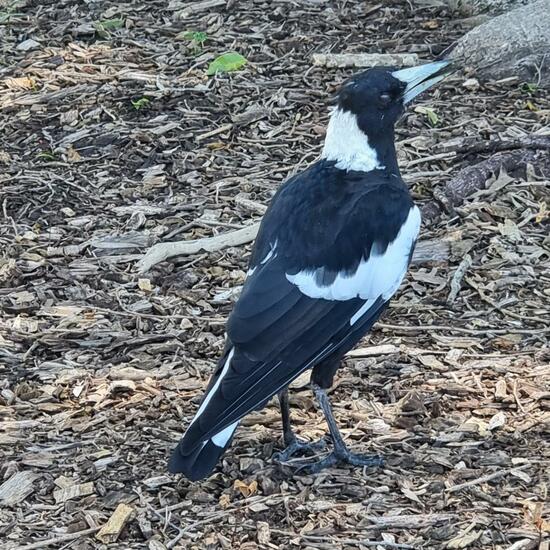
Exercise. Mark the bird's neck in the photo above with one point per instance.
(352, 149)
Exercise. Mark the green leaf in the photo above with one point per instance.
(140, 103)
(112, 24)
(46, 155)
(104, 27)
(529, 88)
(431, 115)
(193, 36)
(227, 62)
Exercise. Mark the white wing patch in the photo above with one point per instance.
(379, 275)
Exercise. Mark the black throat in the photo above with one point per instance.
(384, 145)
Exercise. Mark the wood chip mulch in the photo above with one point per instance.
(113, 139)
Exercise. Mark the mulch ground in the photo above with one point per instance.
(113, 139)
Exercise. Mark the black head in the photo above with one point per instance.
(360, 134)
(375, 97)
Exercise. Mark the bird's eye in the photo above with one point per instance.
(385, 98)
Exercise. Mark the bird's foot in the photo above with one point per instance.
(338, 456)
(297, 446)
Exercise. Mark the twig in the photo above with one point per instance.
(472, 331)
(457, 278)
(352, 542)
(483, 479)
(59, 539)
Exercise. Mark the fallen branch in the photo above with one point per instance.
(474, 178)
(339, 60)
(437, 250)
(498, 145)
(163, 251)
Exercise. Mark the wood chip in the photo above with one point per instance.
(501, 390)
(110, 532)
(73, 491)
(17, 488)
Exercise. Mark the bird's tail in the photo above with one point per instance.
(197, 462)
(196, 456)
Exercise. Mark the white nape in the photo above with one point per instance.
(379, 275)
(348, 145)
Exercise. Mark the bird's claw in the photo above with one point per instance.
(298, 446)
(337, 457)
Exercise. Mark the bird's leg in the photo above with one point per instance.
(340, 453)
(292, 444)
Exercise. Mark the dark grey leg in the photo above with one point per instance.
(292, 444)
(340, 453)
(288, 435)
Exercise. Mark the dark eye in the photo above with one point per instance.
(385, 98)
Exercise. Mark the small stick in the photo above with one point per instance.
(457, 278)
(59, 539)
(162, 251)
(483, 479)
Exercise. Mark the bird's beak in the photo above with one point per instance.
(419, 79)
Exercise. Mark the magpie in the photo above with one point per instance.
(332, 249)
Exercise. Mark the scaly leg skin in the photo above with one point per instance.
(340, 454)
(293, 445)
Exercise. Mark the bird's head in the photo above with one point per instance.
(361, 129)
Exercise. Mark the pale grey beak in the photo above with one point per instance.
(419, 79)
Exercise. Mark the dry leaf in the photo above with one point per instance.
(245, 489)
(497, 421)
(225, 501)
(72, 154)
(462, 541)
(145, 285)
(532, 512)
(21, 83)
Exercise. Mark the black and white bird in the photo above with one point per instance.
(332, 249)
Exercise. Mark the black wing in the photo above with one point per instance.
(320, 231)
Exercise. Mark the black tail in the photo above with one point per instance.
(197, 463)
